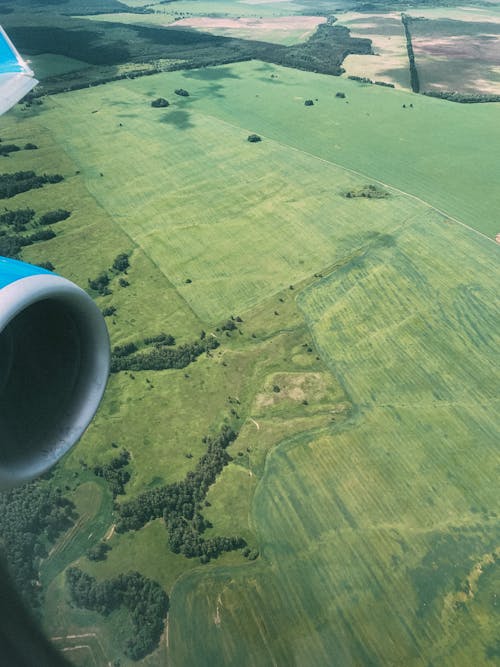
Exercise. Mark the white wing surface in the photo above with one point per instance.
(16, 78)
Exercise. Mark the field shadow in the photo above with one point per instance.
(265, 67)
(179, 119)
(213, 90)
(211, 74)
(266, 79)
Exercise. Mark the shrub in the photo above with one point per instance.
(160, 102)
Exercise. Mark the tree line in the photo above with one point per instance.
(463, 98)
(414, 80)
(144, 598)
(180, 505)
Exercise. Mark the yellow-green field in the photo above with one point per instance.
(364, 368)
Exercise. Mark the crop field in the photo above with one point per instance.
(362, 377)
(389, 61)
(456, 48)
(281, 30)
(458, 55)
(192, 10)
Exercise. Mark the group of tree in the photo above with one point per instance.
(161, 356)
(6, 149)
(18, 219)
(121, 262)
(367, 191)
(114, 472)
(22, 181)
(180, 505)
(100, 283)
(144, 598)
(51, 217)
(31, 518)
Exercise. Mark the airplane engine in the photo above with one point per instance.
(54, 365)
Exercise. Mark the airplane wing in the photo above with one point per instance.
(16, 78)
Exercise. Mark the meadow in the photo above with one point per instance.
(361, 379)
(387, 520)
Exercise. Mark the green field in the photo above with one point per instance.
(386, 520)
(364, 368)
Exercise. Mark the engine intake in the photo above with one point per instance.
(54, 365)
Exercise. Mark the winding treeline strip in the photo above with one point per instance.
(414, 80)
(180, 503)
(160, 357)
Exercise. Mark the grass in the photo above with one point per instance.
(387, 516)
(284, 216)
(369, 503)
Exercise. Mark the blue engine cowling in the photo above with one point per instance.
(54, 365)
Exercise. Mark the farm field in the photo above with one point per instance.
(389, 61)
(281, 30)
(362, 378)
(280, 23)
(456, 48)
(460, 55)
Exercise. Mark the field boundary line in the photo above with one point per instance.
(363, 175)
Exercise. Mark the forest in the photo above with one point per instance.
(146, 601)
(31, 518)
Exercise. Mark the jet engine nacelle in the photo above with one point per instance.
(54, 365)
